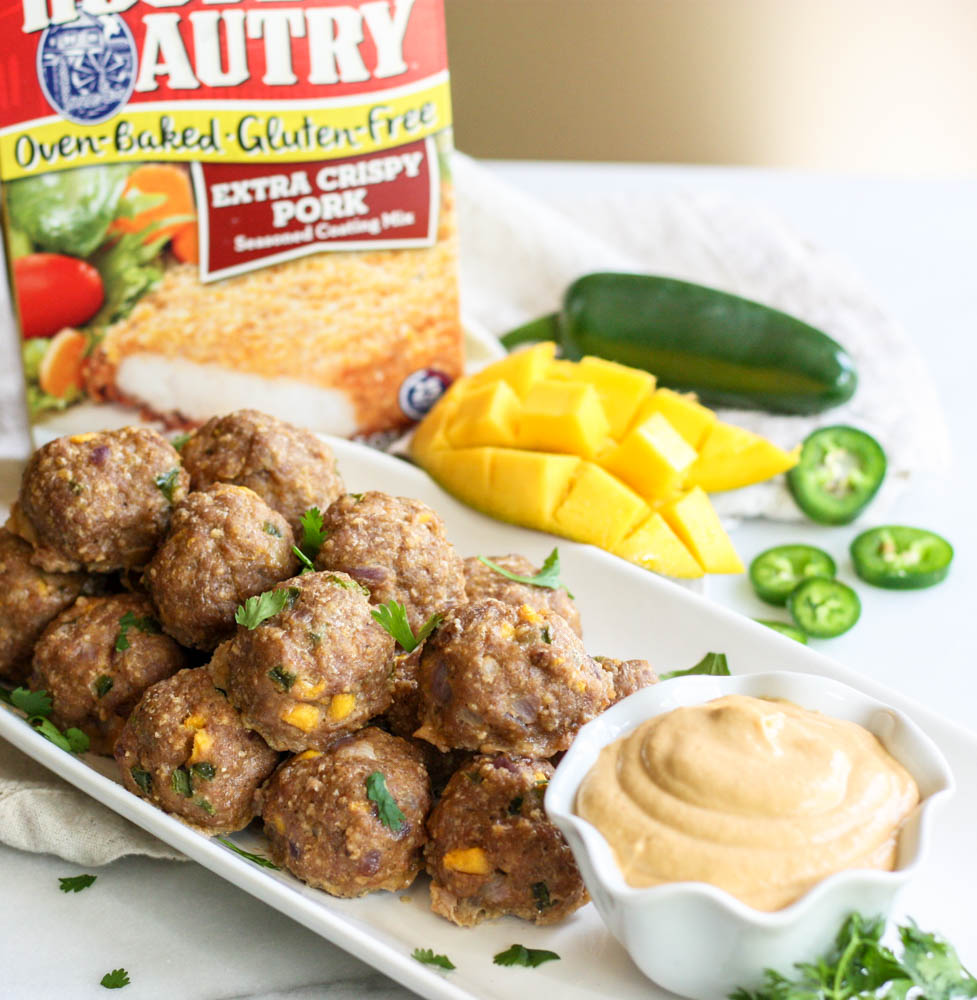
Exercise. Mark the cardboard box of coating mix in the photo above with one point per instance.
(213, 204)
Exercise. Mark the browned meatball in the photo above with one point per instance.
(185, 749)
(225, 545)
(99, 501)
(29, 599)
(482, 581)
(397, 548)
(403, 716)
(318, 668)
(628, 676)
(97, 658)
(494, 677)
(288, 467)
(325, 826)
(492, 851)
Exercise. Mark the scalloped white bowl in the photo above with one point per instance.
(698, 940)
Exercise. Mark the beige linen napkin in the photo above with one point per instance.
(517, 257)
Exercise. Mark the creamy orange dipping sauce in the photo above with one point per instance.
(757, 796)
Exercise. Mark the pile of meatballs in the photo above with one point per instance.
(123, 567)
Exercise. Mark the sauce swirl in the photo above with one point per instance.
(757, 796)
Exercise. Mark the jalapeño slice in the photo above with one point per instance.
(784, 628)
(901, 558)
(824, 608)
(839, 471)
(775, 572)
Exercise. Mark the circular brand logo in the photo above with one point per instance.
(421, 390)
(87, 68)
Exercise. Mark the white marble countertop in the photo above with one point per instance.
(182, 932)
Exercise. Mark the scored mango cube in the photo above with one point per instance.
(683, 411)
(527, 486)
(655, 546)
(465, 472)
(564, 417)
(693, 518)
(520, 369)
(621, 390)
(731, 457)
(652, 459)
(599, 508)
(485, 416)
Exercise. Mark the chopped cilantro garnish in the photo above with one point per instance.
(387, 809)
(167, 483)
(548, 576)
(545, 635)
(181, 782)
(258, 859)
(31, 702)
(260, 608)
(115, 979)
(281, 677)
(521, 955)
(712, 664)
(203, 770)
(103, 684)
(205, 805)
(307, 565)
(349, 584)
(142, 778)
(859, 965)
(427, 956)
(72, 740)
(541, 894)
(146, 624)
(393, 617)
(271, 529)
(180, 440)
(313, 533)
(75, 883)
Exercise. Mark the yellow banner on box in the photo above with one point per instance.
(212, 133)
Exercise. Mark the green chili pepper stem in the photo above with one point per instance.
(544, 328)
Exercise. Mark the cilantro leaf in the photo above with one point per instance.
(258, 859)
(307, 565)
(427, 956)
(548, 576)
(78, 741)
(147, 624)
(313, 533)
(115, 979)
(529, 957)
(75, 883)
(32, 703)
(387, 809)
(712, 664)
(392, 616)
(179, 442)
(859, 965)
(349, 584)
(260, 608)
(167, 482)
(71, 740)
(271, 529)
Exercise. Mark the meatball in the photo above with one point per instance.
(492, 852)
(97, 658)
(494, 677)
(99, 501)
(397, 548)
(326, 826)
(288, 467)
(29, 598)
(482, 581)
(225, 545)
(318, 668)
(185, 749)
(627, 676)
(403, 715)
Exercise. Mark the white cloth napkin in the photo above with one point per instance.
(517, 257)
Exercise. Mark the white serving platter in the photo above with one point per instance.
(626, 612)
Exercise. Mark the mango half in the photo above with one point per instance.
(593, 451)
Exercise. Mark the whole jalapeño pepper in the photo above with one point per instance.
(729, 350)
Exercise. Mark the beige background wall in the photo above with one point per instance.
(848, 84)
